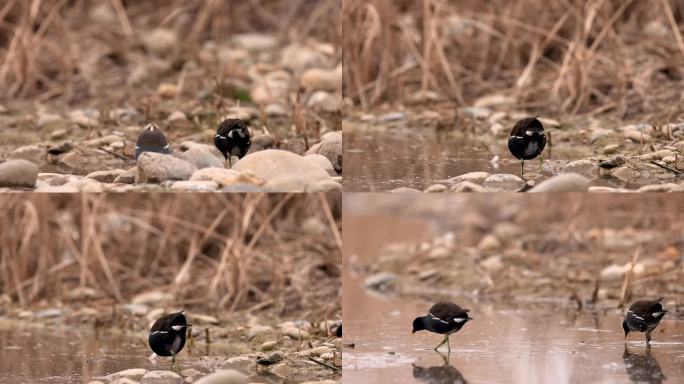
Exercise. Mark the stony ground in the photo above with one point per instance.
(645, 156)
(288, 93)
(244, 348)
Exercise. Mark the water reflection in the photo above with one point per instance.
(642, 368)
(439, 374)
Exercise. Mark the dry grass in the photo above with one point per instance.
(257, 252)
(569, 56)
(60, 48)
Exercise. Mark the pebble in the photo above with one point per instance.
(225, 376)
(167, 90)
(157, 168)
(467, 187)
(568, 182)
(317, 79)
(160, 41)
(255, 41)
(195, 186)
(106, 176)
(133, 373)
(18, 173)
(584, 167)
(32, 153)
(436, 188)
(611, 149)
(503, 183)
(258, 330)
(201, 158)
(330, 146)
(161, 377)
(489, 243)
(152, 297)
(380, 281)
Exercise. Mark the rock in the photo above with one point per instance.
(473, 177)
(290, 183)
(241, 363)
(599, 189)
(157, 168)
(300, 57)
(614, 272)
(127, 177)
(167, 90)
(226, 177)
(195, 186)
(152, 297)
(380, 281)
(255, 41)
(271, 164)
(611, 149)
(124, 380)
(274, 358)
(258, 330)
(601, 134)
(160, 41)
(666, 187)
(283, 370)
(188, 145)
(314, 352)
(489, 243)
(637, 136)
(177, 116)
(48, 313)
(85, 117)
(322, 80)
(135, 309)
(405, 190)
(436, 188)
(658, 155)
(276, 110)
(568, 182)
(492, 264)
(228, 376)
(49, 119)
(467, 187)
(102, 141)
(272, 88)
(201, 158)
(106, 176)
(585, 167)
(18, 173)
(614, 162)
(32, 153)
(494, 101)
(330, 146)
(503, 183)
(60, 148)
(393, 116)
(133, 373)
(56, 189)
(322, 101)
(322, 162)
(477, 112)
(161, 377)
(295, 333)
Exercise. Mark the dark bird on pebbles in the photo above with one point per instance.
(151, 139)
(168, 334)
(527, 141)
(233, 139)
(643, 316)
(444, 318)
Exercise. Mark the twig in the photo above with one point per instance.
(334, 368)
(668, 168)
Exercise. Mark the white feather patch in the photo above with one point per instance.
(177, 327)
(459, 320)
(230, 134)
(529, 133)
(658, 314)
(437, 318)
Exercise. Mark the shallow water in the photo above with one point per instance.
(505, 343)
(388, 160)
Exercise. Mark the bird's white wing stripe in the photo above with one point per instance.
(437, 318)
(657, 314)
(459, 320)
(159, 332)
(177, 327)
(166, 146)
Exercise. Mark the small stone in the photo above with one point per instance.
(637, 136)
(258, 330)
(194, 186)
(614, 162)
(167, 90)
(494, 101)
(436, 188)
(160, 41)
(241, 363)
(489, 243)
(611, 149)
(48, 313)
(492, 264)
(60, 148)
(314, 352)
(295, 333)
(18, 173)
(274, 358)
(152, 297)
(567, 182)
(477, 112)
(45, 119)
(133, 373)
(275, 110)
(32, 153)
(106, 176)
(127, 177)
(380, 281)
(585, 167)
(392, 116)
(228, 376)
(271, 164)
(503, 183)
(161, 377)
(255, 41)
(269, 345)
(467, 187)
(322, 80)
(201, 158)
(135, 309)
(157, 168)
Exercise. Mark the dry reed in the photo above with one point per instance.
(569, 56)
(223, 253)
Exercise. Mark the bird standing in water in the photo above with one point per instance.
(168, 333)
(232, 139)
(643, 316)
(444, 318)
(527, 141)
(151, 139)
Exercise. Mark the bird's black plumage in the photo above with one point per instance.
(527, 139)
(643, 316)
(151, 139)
(168, 333)
(233, 138)
(444, 318)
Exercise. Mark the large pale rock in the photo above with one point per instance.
(271, 164)
(568, 182)
(322, 79)
(224, 376)
(201, 158)
(106, 176)
(19, 173)
(157, 167)
(330, 146)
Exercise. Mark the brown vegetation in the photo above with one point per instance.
(257, 252)
(570, 56)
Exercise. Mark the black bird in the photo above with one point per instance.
(167, 336)
(527, 141)
(444, 318)
(233, 139)
(642, 368)
(152, 139)
(643, 316)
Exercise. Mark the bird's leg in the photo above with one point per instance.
(522, 168)
(173, 359)
(541, 163)
(448, 344)
(230, 162)
(648, 338)
(446, 339)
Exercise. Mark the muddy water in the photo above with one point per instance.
(389, 160)
(505, 343)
